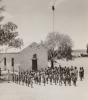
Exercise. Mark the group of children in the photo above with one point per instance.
(57, 75)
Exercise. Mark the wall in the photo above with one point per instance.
(23, 59)
(27, 54)
(9, 56)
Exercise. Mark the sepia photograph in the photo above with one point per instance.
(43, 50)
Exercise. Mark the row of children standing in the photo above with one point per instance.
(57, 75)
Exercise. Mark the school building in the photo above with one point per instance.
(33, 57)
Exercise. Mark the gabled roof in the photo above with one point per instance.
(34, 45)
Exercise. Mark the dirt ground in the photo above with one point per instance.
(12, 91)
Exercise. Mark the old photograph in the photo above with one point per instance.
(43, 50)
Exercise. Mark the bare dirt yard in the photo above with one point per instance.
(12, 91)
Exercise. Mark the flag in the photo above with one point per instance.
(53, 8)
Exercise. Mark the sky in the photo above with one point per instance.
(34, 19)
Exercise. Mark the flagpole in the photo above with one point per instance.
(53, 10)
(53, 14)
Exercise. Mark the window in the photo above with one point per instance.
(4, 61)
(12, 62)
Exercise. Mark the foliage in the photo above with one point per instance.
(1, 9)
(87, 48)
(17, 43)
(59, 45)
(9, 36)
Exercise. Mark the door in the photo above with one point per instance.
(34, 63)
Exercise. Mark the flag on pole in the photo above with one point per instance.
(53, 8)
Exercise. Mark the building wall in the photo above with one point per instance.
(27, 54)
(23, 59)
(9, 57)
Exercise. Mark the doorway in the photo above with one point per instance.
(34, 62)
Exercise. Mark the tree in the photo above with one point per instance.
(9, 36)
(51, 43)
(58, 44)
(87, 48)
(1, 9)
(66, 46)
(68, 54)
(51, 56)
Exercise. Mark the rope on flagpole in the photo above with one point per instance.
(53, 19)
